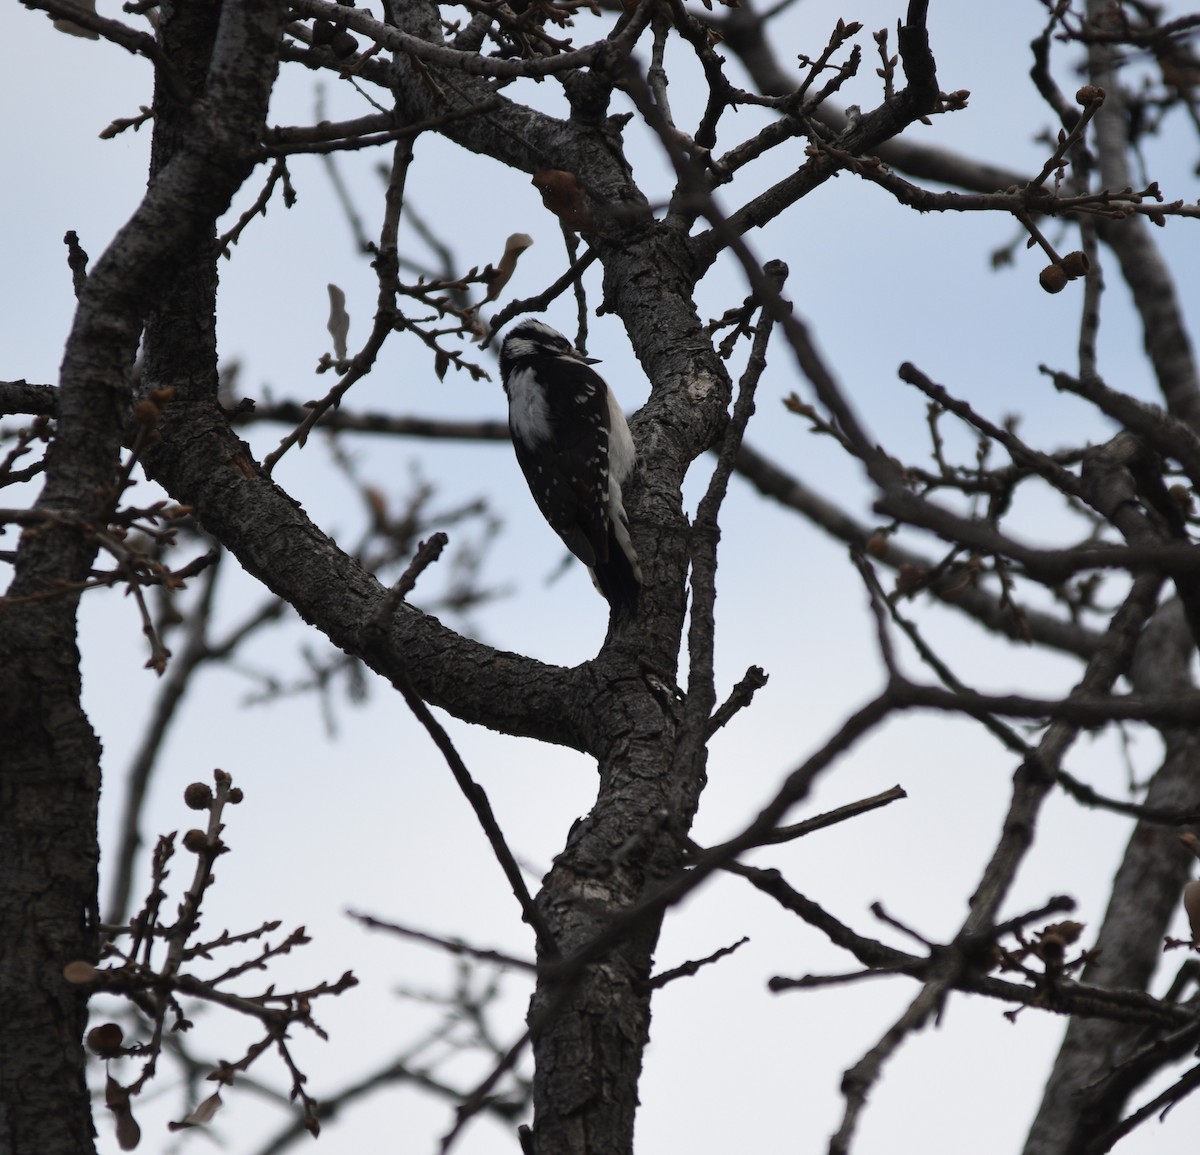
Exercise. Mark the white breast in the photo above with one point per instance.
(528, 413)
(621, 455)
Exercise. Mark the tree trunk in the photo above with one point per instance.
(49, 756)
(49, 788)
(1092, 1077)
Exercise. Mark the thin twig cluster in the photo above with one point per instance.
(151, 961)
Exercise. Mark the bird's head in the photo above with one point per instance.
(533, 339)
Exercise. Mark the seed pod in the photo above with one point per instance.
(1076, 264)
(198, 796)
(195, 841)
(1053, 279)
(105, 1040)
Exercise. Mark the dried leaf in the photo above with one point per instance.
(339, 321)
(1191, 904)
(378, 503)
(1066, 932)
(203, 1113)
(564, 195)
(116, 1099)
(513, 248)
(79, 972)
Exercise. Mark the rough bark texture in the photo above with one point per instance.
(49, 786)
(589, 1054)
(1143, 269)
(1089, 1086)
(49, 756)
(590, 1032)
(590, 1016)
(1093, 1078)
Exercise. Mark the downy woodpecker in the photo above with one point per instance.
(573, 446)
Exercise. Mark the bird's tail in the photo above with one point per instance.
(619, 578)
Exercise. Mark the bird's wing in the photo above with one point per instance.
(571, 485)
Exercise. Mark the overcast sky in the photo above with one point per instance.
(369, 819)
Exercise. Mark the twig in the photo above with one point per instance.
(139, 43)
(1059, 904)
(703, 541)
(688, 969)
(468, 63)
(1169, 433)
(878, 604)
(77, 261)
(386, 268)
(375, 638)
(1032, 780)
(739, 698)
(279, 172)
(772, 481)
(1092, 99)
(1176, 1093)
(451, 946)
(1042, 464)
(833, 817)
(1081, 708)
(794, 788)
(542, 301)
(1093, 290)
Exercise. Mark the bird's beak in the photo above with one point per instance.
(590, 360)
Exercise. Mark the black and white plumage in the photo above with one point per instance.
(573, 446)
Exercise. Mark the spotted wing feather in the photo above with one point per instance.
(570, 485)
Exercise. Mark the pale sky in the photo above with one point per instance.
(372, 821)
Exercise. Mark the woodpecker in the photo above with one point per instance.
(573, 446)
